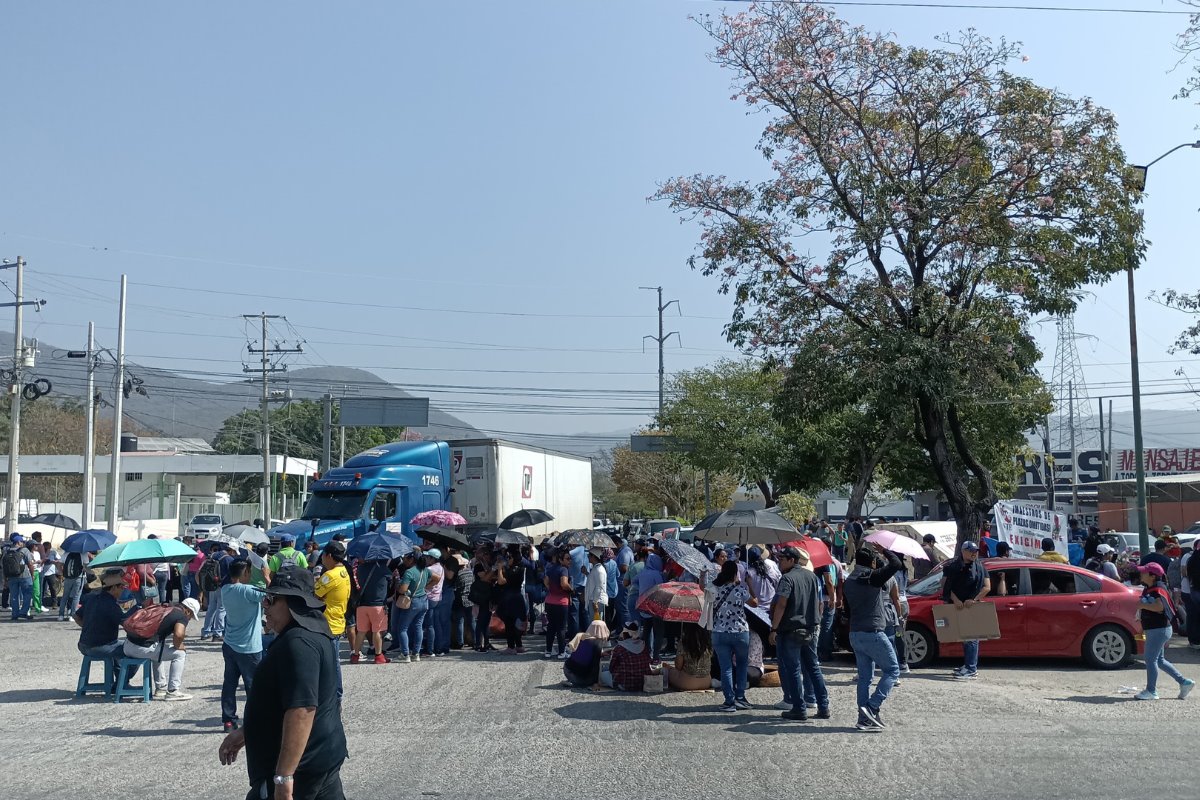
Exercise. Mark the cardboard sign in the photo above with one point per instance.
(979, 621)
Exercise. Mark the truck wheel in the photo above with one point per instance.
(1108, 647)
(920, 647)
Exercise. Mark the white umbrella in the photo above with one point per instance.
(248, 534)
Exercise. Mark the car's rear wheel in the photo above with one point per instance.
(1108, 647)
(920, 647)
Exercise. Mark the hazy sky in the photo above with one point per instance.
(384, 172)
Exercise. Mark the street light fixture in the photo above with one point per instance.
(1139, 182)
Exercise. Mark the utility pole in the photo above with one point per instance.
(115, 476)
(89, 445)
(327, 434)
(1074, 452)
(267, 368)
(11, 512)
(661, 339)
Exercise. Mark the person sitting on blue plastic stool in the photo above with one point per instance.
(100, 615)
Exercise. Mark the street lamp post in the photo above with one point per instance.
(1140, 175)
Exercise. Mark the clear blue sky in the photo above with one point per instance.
(469, 156)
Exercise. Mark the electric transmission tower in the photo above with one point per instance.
(1076, 427)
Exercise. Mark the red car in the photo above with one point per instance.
(1052, 610)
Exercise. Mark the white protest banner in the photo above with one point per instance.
(1024, 525)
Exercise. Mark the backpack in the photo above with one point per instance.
(210, 575)
(13, 564)
(144, 622)
(133, 580)
(1095, 564)
(291, 559)
(73, 566)
(1169, 609)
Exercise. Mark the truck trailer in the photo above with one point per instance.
(484, 480)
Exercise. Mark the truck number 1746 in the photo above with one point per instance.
(432, 480)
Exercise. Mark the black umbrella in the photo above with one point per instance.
(55, 521)
(688, 557)
(525, 518)
(445, 537)
(380, 546)
(587, 538)
(754, 526)
(503, 537)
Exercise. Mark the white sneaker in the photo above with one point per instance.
(159, 694)
(1185, 688)
(176, 695)
(563, 656)
(1146, 694)
(784, 705)
(417, 658)
(406, 660)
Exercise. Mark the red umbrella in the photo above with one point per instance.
(673, 601)
(818, 554)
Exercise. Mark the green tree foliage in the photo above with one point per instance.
(796, 508)
(666, 479)
(726, 412)
(924, 204)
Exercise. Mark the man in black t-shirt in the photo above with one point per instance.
(370, 617)
(293, 734)
(964, 583)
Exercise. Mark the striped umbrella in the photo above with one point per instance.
(673, 601)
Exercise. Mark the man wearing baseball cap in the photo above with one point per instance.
(333, 589)
(292, 732)
(964, 583)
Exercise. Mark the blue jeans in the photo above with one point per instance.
(731, 647)
(800, 673)
(871, 648)
(458, 624)
(429, 628)
(191, 588)
(1156, 644)
(21, 590)
(112, 652)
(237, 665)
(445, 616)
(971, 655)
(584, 610)
(72, 588)
(214, 618)
(825, 643)
(620, 606)
(336, 644)
(412, 626)
(483, 619)
(812, 680)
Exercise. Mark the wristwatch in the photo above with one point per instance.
(282, 779)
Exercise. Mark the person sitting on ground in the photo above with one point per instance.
(630, 662)
(146, 634)
(582, 667)
(691, 671)
(100, 616)
(1048, 553)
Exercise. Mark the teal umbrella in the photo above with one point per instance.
(143, 551)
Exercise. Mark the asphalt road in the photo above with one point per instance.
(472, 726)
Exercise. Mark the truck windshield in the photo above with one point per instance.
(335, 505)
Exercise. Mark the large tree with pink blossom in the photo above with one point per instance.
(922, 205)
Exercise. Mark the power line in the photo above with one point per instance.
(972, 7)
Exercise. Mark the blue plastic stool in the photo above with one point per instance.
(85, 676)
(147, 687)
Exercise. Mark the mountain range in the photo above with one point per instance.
(177, 405)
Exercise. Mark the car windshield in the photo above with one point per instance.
(335, 505)
(659, 527)
(927, 586)
(206, 519)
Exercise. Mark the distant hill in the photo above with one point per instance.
(177, 405)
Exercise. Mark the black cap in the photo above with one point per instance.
(1047, 544)
(336, 550)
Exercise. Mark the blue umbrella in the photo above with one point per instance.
(88, 541)
(380, 546)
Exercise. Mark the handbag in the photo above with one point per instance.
(708, 612)
(404, 602)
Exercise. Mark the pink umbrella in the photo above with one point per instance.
(898, 543)
(444, 519)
